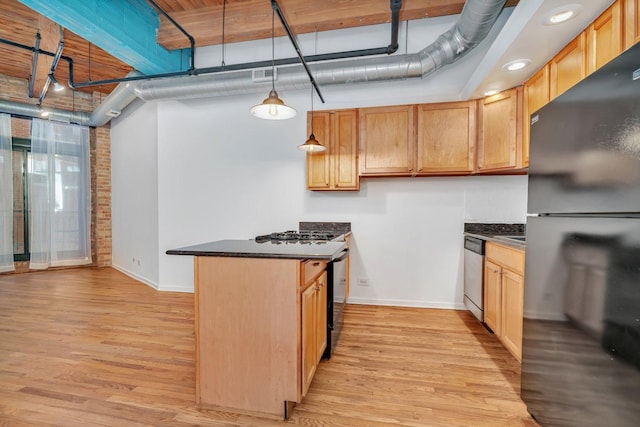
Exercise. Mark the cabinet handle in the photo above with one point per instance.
(316, 264)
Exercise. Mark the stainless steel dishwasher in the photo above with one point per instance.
(474, 276)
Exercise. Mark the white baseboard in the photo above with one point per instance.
(136, 277)
(176, 288)
(408, 303)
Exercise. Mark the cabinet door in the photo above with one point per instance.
(500, 139)
(536, 95)
(321, 316)
(446, 137)
(604, 38)
(309, 362)
(387, 144)
(512, 312)
(631, 22)
(492, 296)
(344, 150)
(318, 163)
(568, 67)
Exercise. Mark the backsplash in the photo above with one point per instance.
(335, 227)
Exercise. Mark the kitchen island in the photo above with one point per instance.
(260, 322)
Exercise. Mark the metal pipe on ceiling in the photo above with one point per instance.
(475, 22)
(395, 6)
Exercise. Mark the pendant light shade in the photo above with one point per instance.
(312, 145)
(273, 108)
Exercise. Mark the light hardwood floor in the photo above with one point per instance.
(93, 347)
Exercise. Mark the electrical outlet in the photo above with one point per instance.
(139, 262)
(363, 281)
(133, 260)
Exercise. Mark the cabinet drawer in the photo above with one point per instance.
(510, 258)
(312, 269)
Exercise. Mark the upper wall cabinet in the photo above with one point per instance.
(569, 66)
(387, 145)
(500, 132)
(604, 38)
(631, 22)
(536, 95)
(446, 138)
(337, 167)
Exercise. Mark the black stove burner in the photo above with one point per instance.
(296, 236)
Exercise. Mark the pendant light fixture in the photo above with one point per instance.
(273, 108)
(312, 145)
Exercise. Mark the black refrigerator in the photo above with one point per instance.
(581, 334)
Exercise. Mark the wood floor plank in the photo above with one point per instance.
(93, 347)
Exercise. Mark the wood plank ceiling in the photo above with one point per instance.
(244, 20)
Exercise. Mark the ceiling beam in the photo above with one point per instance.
(251, 19)
(124, 28)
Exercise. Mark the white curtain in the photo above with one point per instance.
(6, 195)
(59, 193)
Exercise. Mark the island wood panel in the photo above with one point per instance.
(536, 96)
(318, 163)
(604, 37)
(91, 346)
(387, 140)
(631, 22)
(248, 336)
(568, 67)
(309, 330)
(446, 137)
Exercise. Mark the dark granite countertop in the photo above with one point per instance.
(252, 249)
(497, 233)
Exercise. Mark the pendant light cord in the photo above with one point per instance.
(273, 51)
(224, 11)
(311, 109)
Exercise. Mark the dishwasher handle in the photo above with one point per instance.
(474, 245)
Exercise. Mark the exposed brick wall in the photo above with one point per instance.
(16, 90)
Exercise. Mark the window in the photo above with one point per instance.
(21, 148)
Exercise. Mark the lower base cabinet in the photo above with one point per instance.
(504, 295)
(314, 328)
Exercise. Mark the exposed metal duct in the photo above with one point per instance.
(475, 22)
(111, 107)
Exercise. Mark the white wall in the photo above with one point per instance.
(134, 192)
(224, 174)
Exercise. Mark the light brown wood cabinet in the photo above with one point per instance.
(569, 66)
(631, 22)
(500, 135)
(536, 96)
(245, 306)
(446, 138)
(604, 37)
(314, 328)
(504, 295)
(337, 167)
(387, 140)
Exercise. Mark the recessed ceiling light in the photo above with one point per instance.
(491, 92)
(562, 14)
(516, 65)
